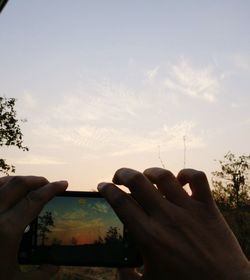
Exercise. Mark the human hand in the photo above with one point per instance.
(179, 236)
(21, 200)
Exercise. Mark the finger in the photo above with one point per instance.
(126, 208)
(44, 272)
(17, 187)
(4, 180)
(141, 189)
(128, 274)
(168, 185)
(30, 206)
(198, 183)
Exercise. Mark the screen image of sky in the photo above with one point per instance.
(79, 221)
(135, 83)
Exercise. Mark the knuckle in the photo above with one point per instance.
(135, 178)
(116, 178)
(28, 181)
(127, 176)
(181, 172)
(114, 196)
(43, 180)
(4, 180)
(18, 180)
(119, 200)
(33, 196)
(199, 176)
(182, 176)
(32, 202)
(164, 175)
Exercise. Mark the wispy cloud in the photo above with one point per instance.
(74, 215)
(98, 100)
(29, 101)
(236, 105)
(194, 82)
(240, 60)
(124, 141)
(105, 118)
(38, 160)
(101, 207)
(151, 74)
(168, 137)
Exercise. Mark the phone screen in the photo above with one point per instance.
(78, 228)
(78, 221)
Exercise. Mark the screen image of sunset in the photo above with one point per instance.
(72, 221)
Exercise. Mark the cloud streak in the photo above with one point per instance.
(108, 119)
(183, 79)
(39, 160)
(151, 74)
(124, 141)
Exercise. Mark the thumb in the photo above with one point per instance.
(128, 274)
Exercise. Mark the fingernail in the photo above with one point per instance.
(101, 186)
(63, 183)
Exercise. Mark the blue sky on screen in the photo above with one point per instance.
(85, 219)
(106, 84)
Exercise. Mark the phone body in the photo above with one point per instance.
(78, 228)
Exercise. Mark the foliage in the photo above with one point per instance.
(43, 227)
(2, 4)
(231, 191)
(56, 241)
(239, 222)
(10, 131)
(74, 241)
(230, 185)
(112, 236)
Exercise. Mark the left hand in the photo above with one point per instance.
(21, 200)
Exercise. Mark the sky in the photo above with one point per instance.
(110, 84)
(84, 219)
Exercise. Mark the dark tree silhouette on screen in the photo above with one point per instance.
(112, 236)
(56, 241)
(74, 241)
(45, 222)
(10, 131)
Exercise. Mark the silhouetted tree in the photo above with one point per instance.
(10, 131)
(231, 191)
(44, 223)
(2, 4)
(99, 240)
(56, 241)
(230, 185)
(112, 235)
(74, 241)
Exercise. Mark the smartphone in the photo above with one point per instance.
(78, 228)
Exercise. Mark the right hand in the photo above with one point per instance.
(179, 236)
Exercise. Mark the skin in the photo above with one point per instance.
(180, 236)
(21, 200)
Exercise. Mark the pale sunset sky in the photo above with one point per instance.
(108, 84)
